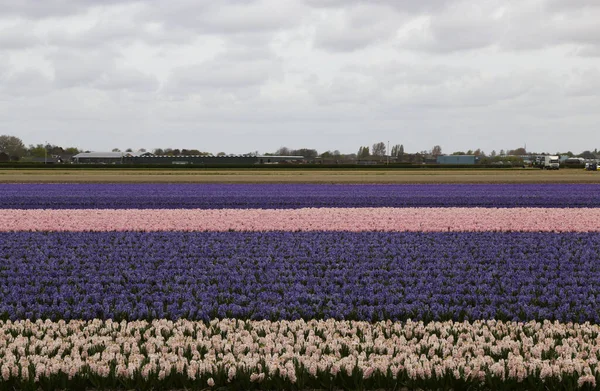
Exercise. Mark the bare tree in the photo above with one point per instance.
(283, 151)
(436, 151)
(379, 149)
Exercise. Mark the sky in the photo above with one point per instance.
(242, 76)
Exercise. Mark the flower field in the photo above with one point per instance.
(292, 196)
(300, 286)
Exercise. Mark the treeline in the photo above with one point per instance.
(13, 149)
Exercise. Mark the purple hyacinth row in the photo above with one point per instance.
(286, 275)
(292, 196)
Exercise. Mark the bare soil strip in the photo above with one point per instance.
(299, 176)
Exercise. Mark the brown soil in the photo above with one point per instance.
(299, 176)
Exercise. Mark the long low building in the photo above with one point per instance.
(190, 160)
(98, 157)
(148, 158)
(457, 159)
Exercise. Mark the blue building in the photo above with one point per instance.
(457, 159)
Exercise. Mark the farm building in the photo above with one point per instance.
(457, 159)
(104, 157)
(189, 160)
(241, 160)
(279, 159)
(98, 157)
(148, 158)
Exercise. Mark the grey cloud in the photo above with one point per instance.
(394, 73)
(73, 69)
(561, 5)
(94, 71)
(39, 9)
(112, 32)
(584, 83)
(344, 39)
(222, 74)
(227, 17)
(127, 80)
(588, 51)
(463, 27)
(24, 83)
(356, 28)
(100, 33)
(18, 36)
(519, 26)
(412, 87)
(407, 6)
(272, 67)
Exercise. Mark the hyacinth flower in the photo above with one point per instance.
(293, 196)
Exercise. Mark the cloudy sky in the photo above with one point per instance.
(254, 75)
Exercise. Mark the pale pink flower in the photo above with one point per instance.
(306, 219)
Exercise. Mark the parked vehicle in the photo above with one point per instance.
(550, 162)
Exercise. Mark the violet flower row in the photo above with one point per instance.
(292, 196)
(285, 275)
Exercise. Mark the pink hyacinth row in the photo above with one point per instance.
(308, 219)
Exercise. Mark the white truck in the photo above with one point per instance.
(550, 162)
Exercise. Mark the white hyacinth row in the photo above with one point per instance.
(298, 354)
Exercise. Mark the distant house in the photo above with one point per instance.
(457, 159)
(4, 157)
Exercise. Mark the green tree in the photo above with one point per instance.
(38, 150)
(72, 151)
(12, 146)
(518, 151)
(397, 150)
(363, 153)
(306, 152)
(587, 155)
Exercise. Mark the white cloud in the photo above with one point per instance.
(240, 75)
